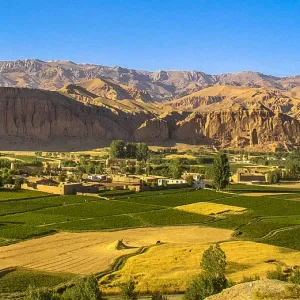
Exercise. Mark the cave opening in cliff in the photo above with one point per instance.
(254, 138)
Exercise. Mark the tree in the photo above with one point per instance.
(293, 170)
(273, 177)
(117, 149)
(189, 180)
(19, 181)
(212, 280)
(221, 171)
(277, 176)
(175, 168)
(214, 261)
(84, 289)
(209, 172)
(139, 168)
(130, 150)
(61, 177)
(142, 151)
(90, 168)
(99, 169)
(128, 290)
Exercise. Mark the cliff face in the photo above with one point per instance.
(239, 128)
(36, 119)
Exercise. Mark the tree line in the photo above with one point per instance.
(119, 149)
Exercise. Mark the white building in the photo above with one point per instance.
(95, 177)
(164, 182)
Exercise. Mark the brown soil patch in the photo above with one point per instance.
(93, 252)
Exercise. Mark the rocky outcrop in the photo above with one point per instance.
(260, 289)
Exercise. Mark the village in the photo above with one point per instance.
(69, 174)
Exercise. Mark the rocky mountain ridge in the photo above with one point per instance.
(161, 85)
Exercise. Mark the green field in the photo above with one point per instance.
(17, 280)
(249, 188)
(20, 194)
(269, 219)
(24, 215)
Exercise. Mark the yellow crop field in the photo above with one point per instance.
(209, 208)
(93, 252)
(170, 267)
(174, 156)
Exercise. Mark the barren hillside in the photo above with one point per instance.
(161, 85)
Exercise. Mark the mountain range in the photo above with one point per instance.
(61, 105)
(161, 85)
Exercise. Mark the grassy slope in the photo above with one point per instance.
(18, 280)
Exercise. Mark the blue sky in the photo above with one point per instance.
(211, 36)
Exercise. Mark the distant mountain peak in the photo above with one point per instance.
(162, 85)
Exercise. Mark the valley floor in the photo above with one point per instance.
(122, 232)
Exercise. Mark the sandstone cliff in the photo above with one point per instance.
(239, 128)
(37, 119)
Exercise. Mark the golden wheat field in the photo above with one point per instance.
(174, 156)
(93, 252)
(210, 208)
(170, 267)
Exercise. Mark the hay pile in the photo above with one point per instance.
(118, 245)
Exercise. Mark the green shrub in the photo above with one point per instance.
(40, 294)
(84, 289)
(205, 285)
(277, 274)
(295, 277)
(128, 290)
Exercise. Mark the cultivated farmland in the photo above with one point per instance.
(139, 219)
(93, 252)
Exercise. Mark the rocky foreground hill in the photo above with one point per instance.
(161, 85)
(91, 114)
(259, 290)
